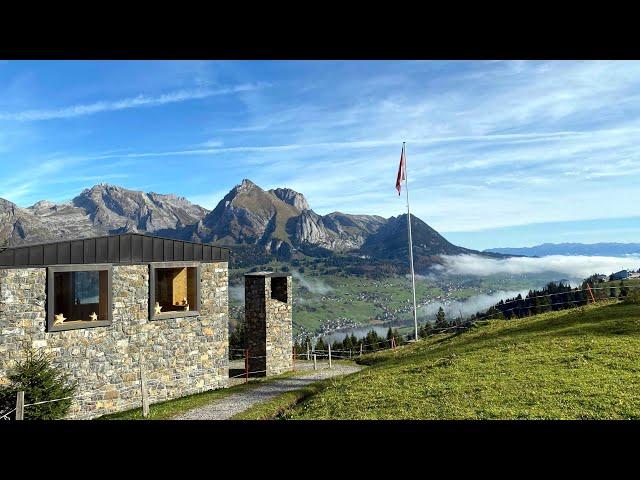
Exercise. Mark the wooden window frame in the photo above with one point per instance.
(51, 271)
(153, 267)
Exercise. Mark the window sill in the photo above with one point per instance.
(78, 325)
(177, 314)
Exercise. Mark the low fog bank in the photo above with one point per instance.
(464, 308)
(572, 267)
(314, 285)
(236, 292)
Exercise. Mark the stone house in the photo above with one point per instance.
(104, 308)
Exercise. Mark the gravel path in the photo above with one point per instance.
(225, 408)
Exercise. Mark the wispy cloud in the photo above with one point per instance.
(123, 104)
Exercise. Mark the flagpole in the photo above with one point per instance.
(413, 275)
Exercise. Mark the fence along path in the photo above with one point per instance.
(329, 354)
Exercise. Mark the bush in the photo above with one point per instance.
(633, 297)
(40, 381)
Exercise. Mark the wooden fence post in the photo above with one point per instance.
(315, 363)
(308, 354)
(20, 406)
(246, 365)
(329, 355)
(143, 386)
(360, 349)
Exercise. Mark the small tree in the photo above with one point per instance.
(441, 321)
(40, 381)
(389, 336)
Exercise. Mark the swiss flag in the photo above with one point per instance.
(401, 168)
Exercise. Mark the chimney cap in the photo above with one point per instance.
(268, 274)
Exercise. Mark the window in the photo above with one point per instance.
(279, 288)
(78, 296)
(174, 290)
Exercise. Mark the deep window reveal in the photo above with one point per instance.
(79, 296)
(174, 290)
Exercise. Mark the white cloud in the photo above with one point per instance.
(127, 103)
(465, 308)
(314, 285)
(573, 267)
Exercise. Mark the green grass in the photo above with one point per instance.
(576, 364)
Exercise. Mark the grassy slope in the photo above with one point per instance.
(582, 363)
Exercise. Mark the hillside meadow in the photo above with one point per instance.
(581, 363)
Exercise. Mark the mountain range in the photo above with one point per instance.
(603, 249)
(278, 222)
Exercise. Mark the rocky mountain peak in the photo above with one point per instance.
(42, 205)
(291, 197)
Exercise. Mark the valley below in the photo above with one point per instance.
(330, 303)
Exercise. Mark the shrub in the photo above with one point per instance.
(633, 297)
(40, 381)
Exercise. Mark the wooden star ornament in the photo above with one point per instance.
(59, 319)
(93, 317)
(157, 308)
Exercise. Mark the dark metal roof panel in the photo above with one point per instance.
(125, 248)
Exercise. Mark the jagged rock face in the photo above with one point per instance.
(115, 209)
(277, 221)
(291, 197)
(248, 215)
(100, 210)
(336, 231)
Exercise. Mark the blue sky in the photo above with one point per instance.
(499, 153)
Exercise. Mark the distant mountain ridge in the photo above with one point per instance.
(100, 210)
(546, 249)
(275, 222)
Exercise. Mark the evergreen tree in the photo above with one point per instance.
(389, 336)
(441, 321)
(40, 381)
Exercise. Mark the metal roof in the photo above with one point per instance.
(125, 248)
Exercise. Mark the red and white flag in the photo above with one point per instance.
(401, 168)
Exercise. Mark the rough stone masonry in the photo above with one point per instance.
(268, 316)
(180, 356)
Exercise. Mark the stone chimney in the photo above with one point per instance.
(268, 328)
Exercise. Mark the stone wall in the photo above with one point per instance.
(269, 328)
(180, 356)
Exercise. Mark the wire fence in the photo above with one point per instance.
(362, 348)
(470, 321)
